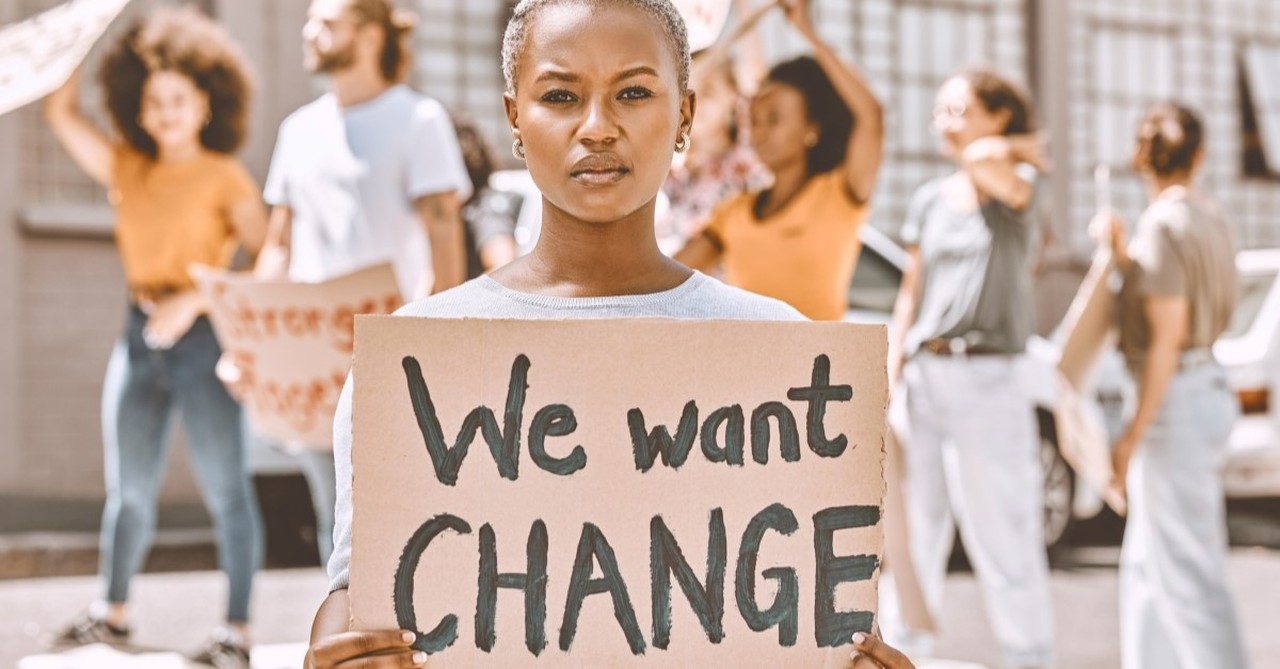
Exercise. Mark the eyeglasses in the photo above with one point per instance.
(952, 110)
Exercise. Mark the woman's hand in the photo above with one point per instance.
(798, 15)
(171, 318)
(386, 649)
(1109, 231)
(234, 370)
(1121, 454)
(869, 653)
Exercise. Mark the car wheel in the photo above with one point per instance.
(1059, 491)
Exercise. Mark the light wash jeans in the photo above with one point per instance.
(1175, 609)
(971, 459)
(144, 388)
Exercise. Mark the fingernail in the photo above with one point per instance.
(419, 658)
(408, 637)
(859, 639)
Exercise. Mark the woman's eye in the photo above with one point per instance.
(557, 96)
(635, 93)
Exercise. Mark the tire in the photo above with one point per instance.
(1059, 484)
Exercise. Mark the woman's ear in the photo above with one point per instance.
(688, 108)
(513, 114)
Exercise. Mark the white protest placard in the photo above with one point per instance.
(613, 493)
(37, 55)
(705, 20)
(292, 343)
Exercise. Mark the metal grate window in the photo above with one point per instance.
(457, 60)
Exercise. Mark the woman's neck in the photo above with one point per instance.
(575, 258)
(787, 181)
(178, 153)
(1158, 184)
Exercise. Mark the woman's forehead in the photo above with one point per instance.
(955, 89)
(596, 40)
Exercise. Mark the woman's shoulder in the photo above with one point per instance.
(472, 299)
(714, 299)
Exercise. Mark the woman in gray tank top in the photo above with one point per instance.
(1180, 287)
(961, 324)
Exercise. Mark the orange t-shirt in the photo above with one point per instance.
(803, 255)
(170, 215)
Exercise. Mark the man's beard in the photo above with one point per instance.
(333, 61)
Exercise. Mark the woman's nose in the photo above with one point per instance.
(598, 126)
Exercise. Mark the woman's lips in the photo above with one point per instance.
(599, 169)
(600, 177)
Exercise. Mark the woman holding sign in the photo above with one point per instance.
(961, 321)
(598, 101)
(177, 92)
(817, 126)
(1180, 287)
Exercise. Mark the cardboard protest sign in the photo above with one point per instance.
(705, 20)
(292, 343)
(1090, 334)
(38, 54)
(608, 493)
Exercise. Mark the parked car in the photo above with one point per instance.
(1250, 351)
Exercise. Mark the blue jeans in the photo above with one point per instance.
(144, 388)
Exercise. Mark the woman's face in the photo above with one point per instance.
(717, 108)
(959, 117)
(781, 132)
(174, 109)
(598, 108)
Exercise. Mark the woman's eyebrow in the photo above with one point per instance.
(556, 75)
(635, 72)
(560, 75)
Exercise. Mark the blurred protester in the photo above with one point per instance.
(1180, 287)
(490, 214)
(177, 91)
(817, 126)
(718, 163)
(961, 322)
(369, 172)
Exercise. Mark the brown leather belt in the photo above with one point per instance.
(957, 347)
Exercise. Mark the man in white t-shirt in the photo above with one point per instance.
(370, 172)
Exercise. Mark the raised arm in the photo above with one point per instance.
(273, 260)
(441, 215)
(992, 165)
(718, 53)
(249, 219)
(866, 144)
(89, 147)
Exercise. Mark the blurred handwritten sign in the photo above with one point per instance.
(292, 343)
(38, 54)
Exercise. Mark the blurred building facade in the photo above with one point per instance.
(1092, 65)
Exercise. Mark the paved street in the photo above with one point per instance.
(171, 617)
